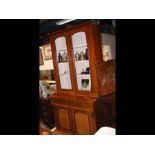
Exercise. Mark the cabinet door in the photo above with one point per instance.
(63, 118)
(61, 63)
(83, 57)
(84, 122)
(81, 60)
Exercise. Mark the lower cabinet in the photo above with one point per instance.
(82, 115)
(73, 121)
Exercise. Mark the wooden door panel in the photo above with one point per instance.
(82, 123)
(64, 119)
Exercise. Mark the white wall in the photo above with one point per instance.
(109, 39)
(48, 64)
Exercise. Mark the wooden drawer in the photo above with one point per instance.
(61, 102)
(82, 105)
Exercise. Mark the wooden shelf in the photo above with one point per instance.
(80, 46)
(83, 61)
(86, 75)
(61, 50)
(64, 75)
(62, 62)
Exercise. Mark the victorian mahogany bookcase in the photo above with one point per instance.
(83, 79)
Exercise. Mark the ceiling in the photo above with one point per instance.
(49, 25)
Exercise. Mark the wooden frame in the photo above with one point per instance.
(47, 52)
(41, 62)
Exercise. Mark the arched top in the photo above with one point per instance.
(60, 43)
(79, 38)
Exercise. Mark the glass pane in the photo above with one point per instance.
(81, 59)
(63, 65)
